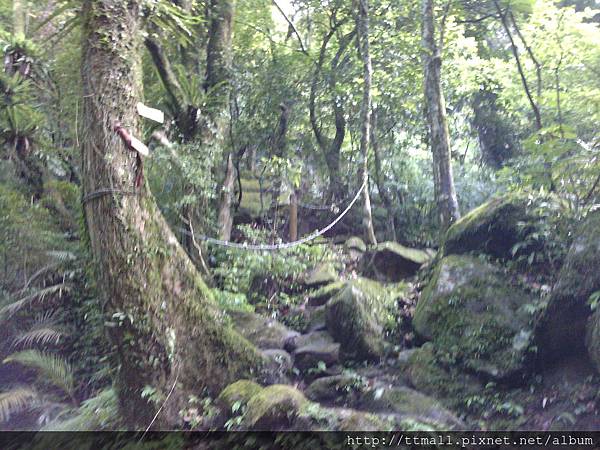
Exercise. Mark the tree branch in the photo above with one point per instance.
(166, 74)
(291, 26)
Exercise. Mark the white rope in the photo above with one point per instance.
(284, 245)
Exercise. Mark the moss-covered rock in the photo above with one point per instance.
(315, 417)
(493, 228)
(263, 332)
(303, 340)
(241, 391)
(390, 261)
(324, 294)
(409, 406)
(273, 408)
(476, 315)
(355, 243)
(356, 317)
(279, 365)
(337, 390)
(561, 329)
(428, 375)
(310, 356)
(324, 273)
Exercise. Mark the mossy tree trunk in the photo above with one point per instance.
(218, 88)
(363, 39)
(439, 136)
(165, 325)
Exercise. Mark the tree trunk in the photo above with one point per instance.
(293, 216)
(168, 332)
(383, 194)
(218, 88)
(225, 219)
(279, 150)
(363, 40)
(445, 194)
(18, 18)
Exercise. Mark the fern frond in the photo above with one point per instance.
(54, 368)
(62, 255)
(38, 336)
(40, 295)
(15, 401)
(96, 413)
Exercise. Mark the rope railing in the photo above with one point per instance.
(284, 245)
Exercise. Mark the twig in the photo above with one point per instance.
(291, 26)
(161, 407)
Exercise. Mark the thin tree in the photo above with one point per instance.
(170, 337)
(439, 136)
(365, 115)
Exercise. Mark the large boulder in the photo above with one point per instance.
(562, 327)
(273, 408)
(495, 227)
(262, 331)
(475, 313)
(390, 261)
(356, 317)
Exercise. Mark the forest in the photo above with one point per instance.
(300, 215)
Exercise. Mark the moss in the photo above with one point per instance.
(410, 404)
(561, 329)
(429, 375)
(324, 273)
(323, 294)
(240, 391)
(473, 313)
(496, 226)
(356, 317)
(355, 243)
(274, 407)
(261, 331)
(360, 421)
(337, 389)
(390, 261)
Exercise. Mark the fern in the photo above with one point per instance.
(54, 368)
(41, 336)
(9, 310)
(44, 331)
(100, 412)
(15, 401)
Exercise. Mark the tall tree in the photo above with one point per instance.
(365, 115)
(439, 136)
(18, 18)
(167, 329)
(218, 87)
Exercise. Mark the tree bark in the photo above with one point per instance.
(439, 136)
(331, 147)
(218, 88)
(363, 41)
(293, 216)
(279, 150)
(383, 194)
(167, 330)
(18, 18)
